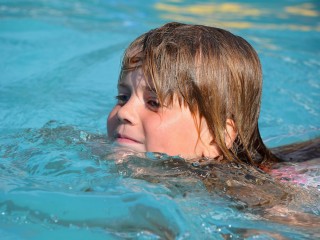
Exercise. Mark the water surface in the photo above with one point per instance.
(60, 177)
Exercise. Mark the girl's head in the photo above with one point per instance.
(190, 90)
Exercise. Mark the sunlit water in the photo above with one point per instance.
(61, 178)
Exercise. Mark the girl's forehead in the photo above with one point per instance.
(137, 79)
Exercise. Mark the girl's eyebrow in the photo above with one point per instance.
(150, 89)
(145, 88)
(123, 85)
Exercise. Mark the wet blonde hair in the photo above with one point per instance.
(213, 72)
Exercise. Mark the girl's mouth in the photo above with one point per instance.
(124, 139)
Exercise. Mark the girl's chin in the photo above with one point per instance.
(134, 147)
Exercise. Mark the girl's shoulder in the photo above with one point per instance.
(299, 152)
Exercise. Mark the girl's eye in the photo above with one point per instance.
(153, 104)
(122, 99)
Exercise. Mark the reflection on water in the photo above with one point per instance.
(234, 8)
(241, 16)
(307, 10)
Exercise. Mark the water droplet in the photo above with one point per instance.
(54, 218)
(196, 164)
(84, 136)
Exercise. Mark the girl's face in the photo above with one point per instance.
(138, 122)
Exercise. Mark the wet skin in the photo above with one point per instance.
(140, 123)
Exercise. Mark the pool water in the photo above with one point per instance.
(61, 178)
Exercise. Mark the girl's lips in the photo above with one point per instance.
(122, 139)
(129, 143)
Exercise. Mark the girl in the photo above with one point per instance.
(192, 91)
(195, 91)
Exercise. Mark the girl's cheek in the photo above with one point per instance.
(112, 122)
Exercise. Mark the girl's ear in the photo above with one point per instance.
(230, 133)
(207, 146)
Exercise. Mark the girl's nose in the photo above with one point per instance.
(127, 112)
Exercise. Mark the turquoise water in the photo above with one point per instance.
(60, 177)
